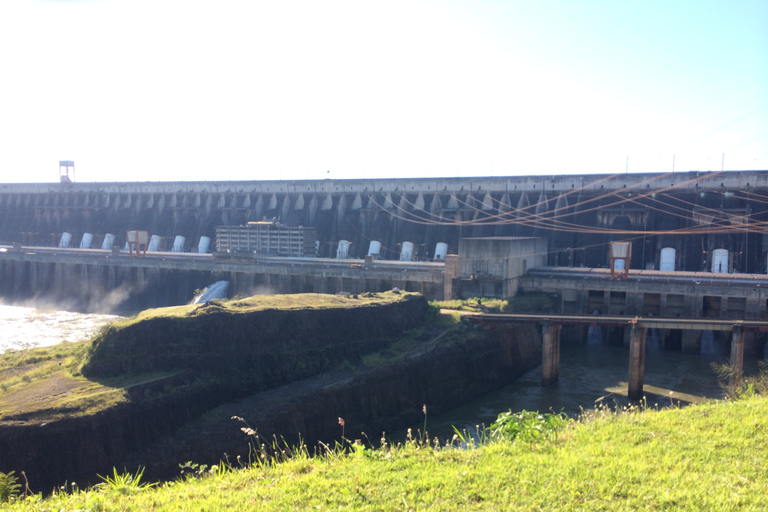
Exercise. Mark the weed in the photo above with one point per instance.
(125, 483)
(528, 426)
(9, 486)
(750, 386)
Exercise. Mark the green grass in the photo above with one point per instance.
(417, 340)
(265, 302)
(704, 457)
(523, 302)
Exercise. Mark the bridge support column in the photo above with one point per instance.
(636, 362)
(450, 272)
(737, 355)
(550, 353)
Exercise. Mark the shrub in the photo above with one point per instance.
(9, 486)
(528, 426)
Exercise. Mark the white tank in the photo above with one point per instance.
(178, 243)
(406, 252)
(342, 252)
(720, 261)
(441, 249)
(374, 248)
(618, 264)
(87, 240)
(66, 238)
(667, 262)
(204, 244)
(109, 241)
(154, 243)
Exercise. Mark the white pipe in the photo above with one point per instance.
(66, 238)
(109, 241)
(178, 244)
(86, 241)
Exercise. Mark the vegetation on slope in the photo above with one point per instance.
(704, 457)
(288, 302)
(523, 302)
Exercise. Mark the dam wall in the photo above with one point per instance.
(106, 282)
(693, 213)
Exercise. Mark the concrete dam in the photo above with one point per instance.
(681, 222)
(694, 213)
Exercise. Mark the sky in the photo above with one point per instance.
(164, 90)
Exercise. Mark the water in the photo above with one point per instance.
(586, 373)
(709, 344)
(652, 341)
(594, 333)
(24, 327)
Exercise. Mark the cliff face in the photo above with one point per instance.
(387, 398)
(265, 347)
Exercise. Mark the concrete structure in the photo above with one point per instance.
(636, 328)
(694, 213)
(104, 280)
(492, 267)
(659, 294)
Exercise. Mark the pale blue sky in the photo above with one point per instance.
(136, 90)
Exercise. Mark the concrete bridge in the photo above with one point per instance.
(637, 328)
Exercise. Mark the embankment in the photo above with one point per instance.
(460, 367)
(256, 365)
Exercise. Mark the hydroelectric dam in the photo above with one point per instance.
(697, 241)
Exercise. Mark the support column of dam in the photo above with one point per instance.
(550, 353)
(636, 362)
(19, 279)
(737, 356)
(451, 272)
(693, 308)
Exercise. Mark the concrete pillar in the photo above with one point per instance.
(18, 278)
(634, 304)
(636, 362)
(58, 281)
(33, 277)
(691, 341)
(584, 302)
(550, 353)
(693, 307)
(754, 308)
(737, 355)
(723, 307)
(111, 279)
(450, 273)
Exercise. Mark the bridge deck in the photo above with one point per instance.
(702, 324)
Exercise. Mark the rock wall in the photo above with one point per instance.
(219, 358)
(271, 346)
(385, 399)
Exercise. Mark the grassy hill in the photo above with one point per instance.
(704, 457)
